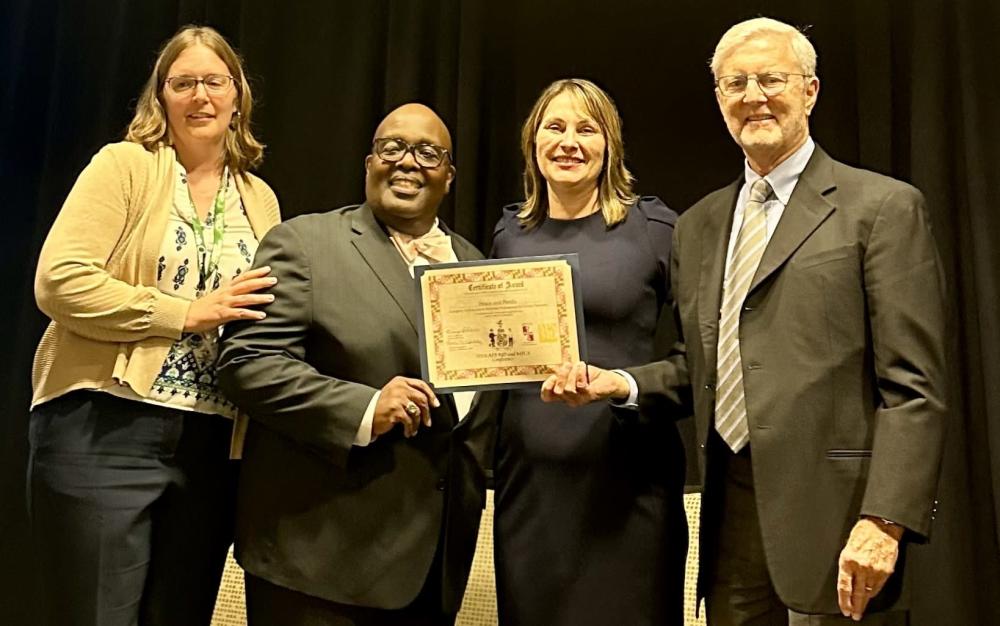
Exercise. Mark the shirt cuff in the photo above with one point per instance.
(632, 402)
(364, 434)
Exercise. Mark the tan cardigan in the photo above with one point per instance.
(96, 276)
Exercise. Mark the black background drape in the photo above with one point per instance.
(909, 88)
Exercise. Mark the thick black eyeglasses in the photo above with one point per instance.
(392, 150)
(771, 83)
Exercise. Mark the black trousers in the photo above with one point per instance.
(131, 510)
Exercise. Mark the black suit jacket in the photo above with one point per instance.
(355, 525)
(842, 337)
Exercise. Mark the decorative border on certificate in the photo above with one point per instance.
(498, 323)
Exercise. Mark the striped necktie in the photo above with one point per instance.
(730, 401)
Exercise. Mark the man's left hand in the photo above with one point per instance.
(866, 563)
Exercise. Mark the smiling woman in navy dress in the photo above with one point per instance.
(590, 525)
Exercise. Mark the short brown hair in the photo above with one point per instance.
(149, 125)
(614, 184)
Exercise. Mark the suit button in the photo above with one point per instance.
(440, 485)
(709, 387)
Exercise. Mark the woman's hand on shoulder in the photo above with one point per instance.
(228, 304)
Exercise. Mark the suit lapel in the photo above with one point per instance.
(714, 244)
(806, 210)
(382, 257)
(808, 206)
(374, 245)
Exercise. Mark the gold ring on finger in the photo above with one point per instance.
(412, 409)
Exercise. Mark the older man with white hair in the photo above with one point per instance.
(812, 316)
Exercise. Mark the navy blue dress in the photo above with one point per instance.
(589, 520)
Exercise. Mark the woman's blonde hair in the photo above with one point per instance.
(149, 125)
(614, 183)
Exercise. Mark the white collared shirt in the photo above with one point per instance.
(782, 180)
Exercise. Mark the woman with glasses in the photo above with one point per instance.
(589, 520)
(130, 484)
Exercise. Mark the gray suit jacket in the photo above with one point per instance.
(842, 336)
(316, 514)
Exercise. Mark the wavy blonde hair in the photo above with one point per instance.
(614, 183)
(149, 126)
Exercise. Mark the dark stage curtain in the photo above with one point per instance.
(908, 88)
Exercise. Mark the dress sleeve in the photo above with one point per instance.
(664, 386)
(508, 218)
(660, 222)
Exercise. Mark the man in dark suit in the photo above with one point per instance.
(810, 302)
(361, 490)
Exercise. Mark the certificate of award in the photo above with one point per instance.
(499, 323)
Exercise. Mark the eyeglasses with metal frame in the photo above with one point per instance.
(393, 150)
(214, 83)
(770, 83)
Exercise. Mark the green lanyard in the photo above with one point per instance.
(208, 259)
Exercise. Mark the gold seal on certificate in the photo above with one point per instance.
(498, 323)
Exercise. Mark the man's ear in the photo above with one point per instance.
(812, 93)
(452, 172)
(368, 163)
(718, 101)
